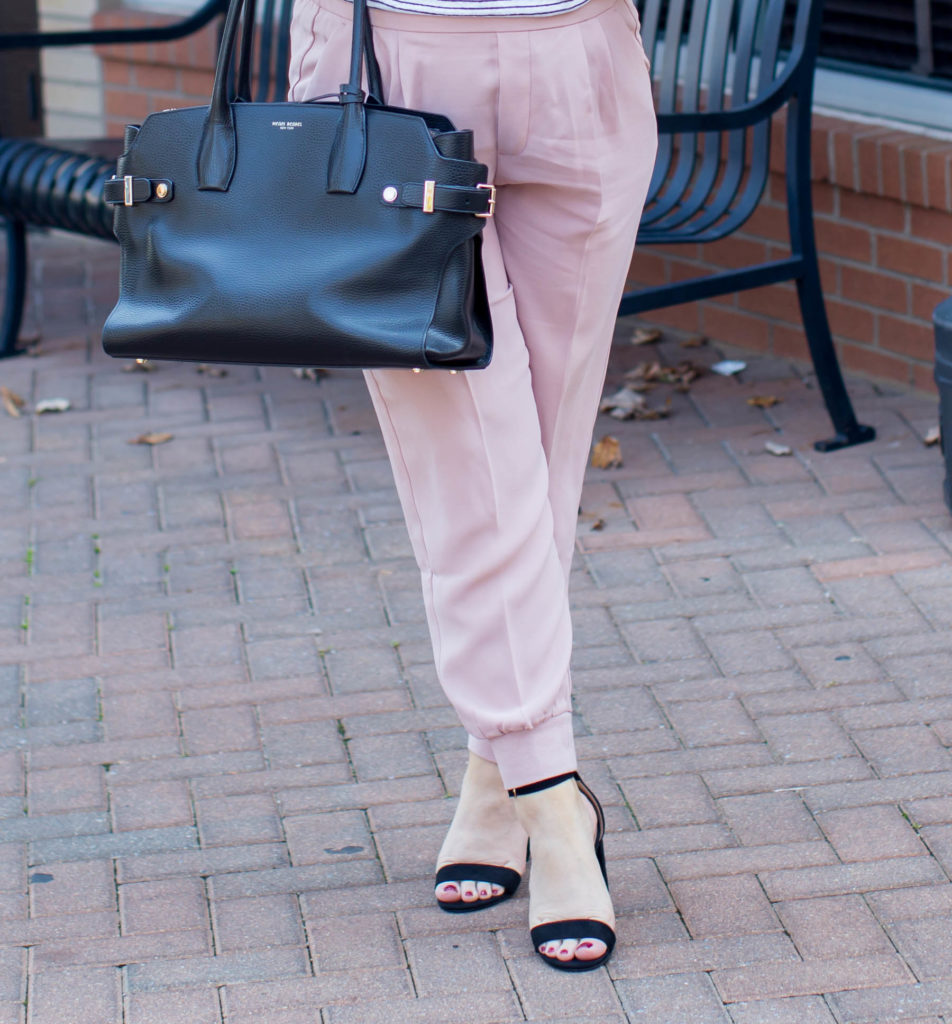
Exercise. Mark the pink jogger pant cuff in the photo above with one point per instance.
(533, 754)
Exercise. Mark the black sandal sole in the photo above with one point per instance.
(508, 878)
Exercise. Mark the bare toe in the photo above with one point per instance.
(447, 892)
(567, 949)
(590, 949)
(470, 894)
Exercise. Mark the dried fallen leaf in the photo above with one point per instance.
(656, 414)
(211, 371)
(52, 405)
(607, 453)
(627, 404)
(776, 448)
(308, 373)
(623, 404)
(645, 335)
(764, 401)
(696, 342)
(153, 438)
(645, 375)
(933, 436)
(12, 402)
(599, 524)
(139, 366)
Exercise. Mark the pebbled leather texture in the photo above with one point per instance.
(277, 270)
(278, 248)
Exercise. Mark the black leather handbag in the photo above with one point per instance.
(324, 234)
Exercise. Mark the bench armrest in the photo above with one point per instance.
(743, 115)
(106, 37)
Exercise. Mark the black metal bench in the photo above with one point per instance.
(58, 184)
(722, 69)
(732, 68)
(942, 318)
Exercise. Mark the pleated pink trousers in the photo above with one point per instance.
(489, 463)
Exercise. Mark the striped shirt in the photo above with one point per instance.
(495, 8)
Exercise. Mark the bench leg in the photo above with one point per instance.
(15, 294)
(809, 290)
(848, 430)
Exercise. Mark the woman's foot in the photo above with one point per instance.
(485, 831)
(567, 883)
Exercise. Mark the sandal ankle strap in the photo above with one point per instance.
(535, 787)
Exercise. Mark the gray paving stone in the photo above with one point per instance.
(217, 970)
(690, 998)
(92, 847)
(770, 734)
(52, 826)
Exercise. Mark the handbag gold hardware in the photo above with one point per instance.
(492, 201)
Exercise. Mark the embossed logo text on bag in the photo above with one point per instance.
(287, 126)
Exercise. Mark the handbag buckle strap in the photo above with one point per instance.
(431, 198)
(130, 191)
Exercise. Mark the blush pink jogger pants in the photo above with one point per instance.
(489, 463)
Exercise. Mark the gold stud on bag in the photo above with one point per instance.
(319, 234)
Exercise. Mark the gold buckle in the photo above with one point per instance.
(429, 193)
(127, 190)
(492, 201)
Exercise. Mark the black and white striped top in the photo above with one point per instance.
(470, 7)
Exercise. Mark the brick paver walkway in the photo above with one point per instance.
(226, 766)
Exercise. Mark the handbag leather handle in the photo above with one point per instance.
(218, 148)
(244, 58)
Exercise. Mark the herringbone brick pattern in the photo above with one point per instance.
(226, 765)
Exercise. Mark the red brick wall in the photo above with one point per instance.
(883, 205)
(141, 79)
(883, 216)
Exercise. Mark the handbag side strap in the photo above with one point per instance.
(349, 149)
(217, 151)
(374, 86)
(479, 200)
(243, 91)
